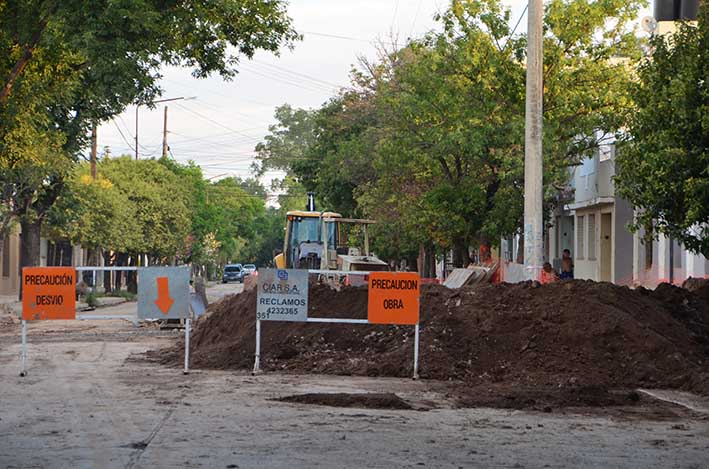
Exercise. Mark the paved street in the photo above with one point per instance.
(91, 400)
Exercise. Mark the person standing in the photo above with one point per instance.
(567, 266)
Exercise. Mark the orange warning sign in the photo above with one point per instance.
(48, 293)
(393, 298)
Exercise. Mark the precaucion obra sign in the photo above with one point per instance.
(48, 293)
(282, 295)
(393, 298)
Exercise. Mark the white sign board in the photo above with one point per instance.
(282, 295)
(163, 292)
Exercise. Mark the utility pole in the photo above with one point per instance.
(137, 107)
(164, 135)
(533, 210)
(93, 149)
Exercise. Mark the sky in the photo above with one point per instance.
(220, 122)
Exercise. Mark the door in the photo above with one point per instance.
(606, 246)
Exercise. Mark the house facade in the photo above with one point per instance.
(592, 223)
(594, 227)
(600, 243)
(9, 262)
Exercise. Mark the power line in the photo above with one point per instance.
(416, 17)
(216, 93)
(201, 116)
(206, 137)
(519, 20)
(303, 75)
(288, 81)
(393, 18)
(347, 38)
(123, 136)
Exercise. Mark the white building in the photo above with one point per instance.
(594, 226)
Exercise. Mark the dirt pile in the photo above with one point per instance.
(566, 334)
(698, 286)
(363, 401)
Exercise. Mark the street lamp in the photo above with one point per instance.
(137, 107)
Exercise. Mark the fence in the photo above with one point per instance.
(333, 274)
(182, 293)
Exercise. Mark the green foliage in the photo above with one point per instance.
(663, 169)
(65, 65)
(234, 213)
(91, 299)
(128, 296)
(430, 140)
(165, 209)
(134, 207)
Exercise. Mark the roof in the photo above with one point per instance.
(303, 213)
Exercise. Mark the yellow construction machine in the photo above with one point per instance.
(318, 241)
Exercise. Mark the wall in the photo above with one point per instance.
(512, 272)
(593, 179)
(586, 244)
(623, 243)
(10, 284)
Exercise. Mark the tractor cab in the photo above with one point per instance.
(306, 240)
(321, 241)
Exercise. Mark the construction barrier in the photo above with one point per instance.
(283, 296)
(49, 293)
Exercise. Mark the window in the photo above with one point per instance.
(6, 256)
(592, 237)
(606, 152)
(579, 237)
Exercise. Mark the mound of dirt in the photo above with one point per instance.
(576, 334)
(698, 286)
(339, 399)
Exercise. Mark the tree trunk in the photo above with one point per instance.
(520, 250)
(460, 253)
(107, 261)
(29, 245)
(420, 260)
(131, 277)
(430, 269)
(121, 260)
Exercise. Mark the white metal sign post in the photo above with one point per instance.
(282, 296)
(164, 293)
(23, 354)
(278, 301)
(44, 299)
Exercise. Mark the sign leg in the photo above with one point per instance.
(416, 352)
(23, 353)
(187, 346)
(257, 363)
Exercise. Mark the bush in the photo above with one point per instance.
(123, 294)
(91, 299)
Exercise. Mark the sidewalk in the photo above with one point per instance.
(11, 305)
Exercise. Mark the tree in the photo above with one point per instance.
(66, 65)
(663, 166)
(429, 140)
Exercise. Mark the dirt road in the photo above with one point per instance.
(91, 400)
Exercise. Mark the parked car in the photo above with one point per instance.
(233, 273)
(251, 269)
